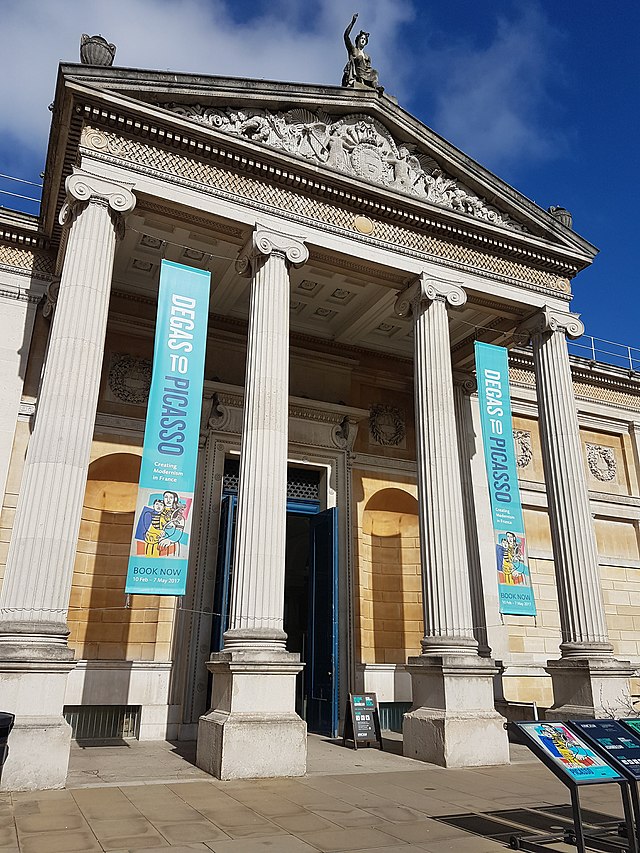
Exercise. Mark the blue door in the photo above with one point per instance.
(322, 653)
(319, 597)
(222, 588)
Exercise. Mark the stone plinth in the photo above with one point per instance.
(453, 722)
(584, 688)
(252, 730)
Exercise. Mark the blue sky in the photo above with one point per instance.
(543, 93)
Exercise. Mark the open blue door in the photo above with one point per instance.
(322, 654)
(224, 570)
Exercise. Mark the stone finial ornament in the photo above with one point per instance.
(96, 50)
(561, 214)
(358, 73)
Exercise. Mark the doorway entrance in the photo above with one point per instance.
(310, 597)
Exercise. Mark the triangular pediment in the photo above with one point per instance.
(349, 135)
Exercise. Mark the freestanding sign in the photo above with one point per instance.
(611, 738)
(514, 579)
(362, 720)
(575, 763)
(162, 527)
(567, 754)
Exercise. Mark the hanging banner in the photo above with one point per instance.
(514, 579)
(164, 509)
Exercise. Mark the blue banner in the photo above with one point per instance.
(164, 509)
(514, 578)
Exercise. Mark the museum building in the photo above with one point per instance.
(342, 535)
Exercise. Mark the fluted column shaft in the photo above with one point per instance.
(582, 616)
(257, 594)
(445, 580)
(35, 593)
(465, 385)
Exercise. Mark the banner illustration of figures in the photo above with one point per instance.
(568, 750)
(514, 579)
(162, 528)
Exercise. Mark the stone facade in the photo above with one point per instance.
(354, 289)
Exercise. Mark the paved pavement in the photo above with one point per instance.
(150, 797)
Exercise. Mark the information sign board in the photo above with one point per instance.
(362, 720)
(567, 754)
(621, 746)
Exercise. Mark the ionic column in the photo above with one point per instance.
(448, 623)
(453, 721)
(35, 593)
(587, 680)
(252, 729)
(582, 618)
(257, 594)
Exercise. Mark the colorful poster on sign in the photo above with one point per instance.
(570, 752)
(164, 509)
(514, 578)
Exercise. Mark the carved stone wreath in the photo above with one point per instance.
(130, 379)
(386, 425)
(524, 449)
(602, 462)
(357, 144)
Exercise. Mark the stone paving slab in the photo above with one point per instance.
(350, 802)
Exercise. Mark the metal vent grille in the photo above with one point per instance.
(103, 722)
(391, 714)
(301, 485)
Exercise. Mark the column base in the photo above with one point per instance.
(252, 730)
(453, 721)
(41, 738)
(584, 688)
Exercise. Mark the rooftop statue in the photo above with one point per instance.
(358, 73)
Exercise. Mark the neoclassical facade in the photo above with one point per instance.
(342, 533)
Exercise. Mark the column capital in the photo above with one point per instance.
(264, 242)
(466, 382)
(82, 186)
(549, 320)
(429, 288)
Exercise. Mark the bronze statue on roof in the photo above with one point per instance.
(358, 73)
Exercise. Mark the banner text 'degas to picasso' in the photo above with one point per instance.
(514, 578)
(164, 508)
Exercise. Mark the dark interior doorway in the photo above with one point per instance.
(311, 600)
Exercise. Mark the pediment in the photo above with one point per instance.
(339, 133)
(354, 144)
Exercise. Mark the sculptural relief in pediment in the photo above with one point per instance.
(355, 144)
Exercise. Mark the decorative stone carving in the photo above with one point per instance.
(130, 378)
(387, 425)
(602, 462)
(524, 449)
(356, 144)
(96, 50)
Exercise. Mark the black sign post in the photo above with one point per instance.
(575, 763)
(620, 745)
(362, 720)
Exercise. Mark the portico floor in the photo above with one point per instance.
(148, 796)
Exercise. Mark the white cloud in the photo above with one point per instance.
(197, 36)
(493, 100)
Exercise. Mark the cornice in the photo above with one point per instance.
(242, 156)
(593, 373)
(16, 236)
